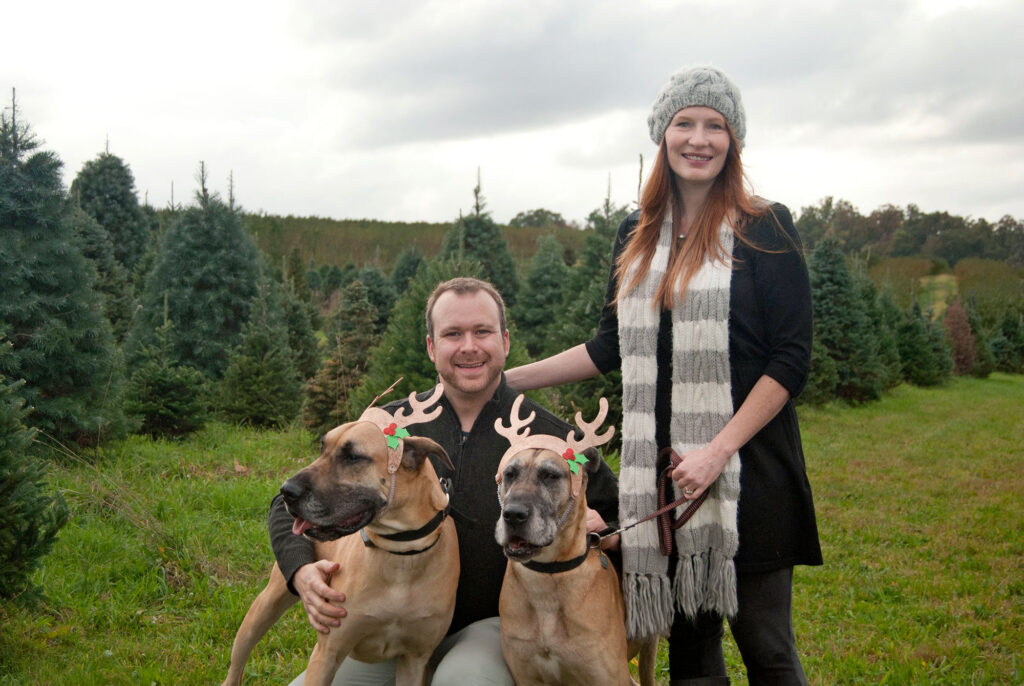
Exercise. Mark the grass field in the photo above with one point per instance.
(920, 501)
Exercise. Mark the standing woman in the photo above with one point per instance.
(708, 315)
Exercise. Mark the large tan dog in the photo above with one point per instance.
(562, 614)
(399, 576)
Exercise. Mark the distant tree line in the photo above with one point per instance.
(116, 317)
(891, 231)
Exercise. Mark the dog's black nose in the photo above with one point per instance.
(515, 513)
(292, 490)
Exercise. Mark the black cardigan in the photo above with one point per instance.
(769, 334)
(474, 500)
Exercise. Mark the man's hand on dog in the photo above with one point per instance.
(322, 603)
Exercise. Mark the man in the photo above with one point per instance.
(468, 341)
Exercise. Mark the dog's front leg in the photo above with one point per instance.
(265, 610)
(411, 670)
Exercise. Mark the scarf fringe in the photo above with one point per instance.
(648, 605)
(706, 582)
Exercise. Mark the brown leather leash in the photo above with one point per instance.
(666, 524)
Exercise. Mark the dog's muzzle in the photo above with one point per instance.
(332, 515)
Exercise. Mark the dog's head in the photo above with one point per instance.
(536, 498)
(542, 481)
(349, 484)
(354, 478)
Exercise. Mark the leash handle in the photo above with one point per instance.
(666, 524)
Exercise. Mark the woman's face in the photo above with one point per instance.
(697, 143)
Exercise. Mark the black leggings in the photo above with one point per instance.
(762, 629)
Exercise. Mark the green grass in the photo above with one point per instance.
(919, 500)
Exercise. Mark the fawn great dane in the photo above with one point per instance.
(561, 607)
(399, 575)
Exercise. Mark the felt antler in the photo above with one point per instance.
(518, 435)
(393, 425)
(590, 436)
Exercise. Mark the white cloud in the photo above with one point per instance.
(387, 110)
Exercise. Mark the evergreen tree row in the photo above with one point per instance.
(115, 317)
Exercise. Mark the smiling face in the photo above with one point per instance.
(697, 144)
(468, 347)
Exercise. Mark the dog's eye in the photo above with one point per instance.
(510, 474)
(348, 454)
(550, 475)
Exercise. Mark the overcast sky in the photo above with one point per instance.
(386, 109)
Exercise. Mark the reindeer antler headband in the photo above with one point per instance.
(518, 435)
(393, 425)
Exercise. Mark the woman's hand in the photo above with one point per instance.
(697, 470)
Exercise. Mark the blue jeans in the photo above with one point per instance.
(762, 629)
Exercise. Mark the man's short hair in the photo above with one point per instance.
(464, 285)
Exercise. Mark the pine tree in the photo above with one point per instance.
(823, 377)
(166, 397)
(582, 302)
(409, 262)
(209, 266)
(105, 189)
(921, 350)
(1008, 343)
(540, 303)
(477, 238)
(884, 333)
(298, 318)
(31, 513)
(381, 293)
(114, 281)
(49, 308)
(962, 338)
(842, 325)
(261, 386)
(295, 276)
(327, 395)
(892, 318)
(984, 360)
(938, 339)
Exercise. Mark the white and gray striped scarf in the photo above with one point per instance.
(705, 578)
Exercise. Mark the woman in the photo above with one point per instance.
(708, 315)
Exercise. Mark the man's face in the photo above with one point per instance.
(468, 348)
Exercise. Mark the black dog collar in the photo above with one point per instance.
(593, 540)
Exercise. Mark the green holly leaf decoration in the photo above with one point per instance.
(394, 438)
(574, 459)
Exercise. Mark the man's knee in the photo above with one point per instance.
(472, 657)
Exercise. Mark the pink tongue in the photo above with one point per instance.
(300, 525)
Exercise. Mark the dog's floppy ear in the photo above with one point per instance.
(417, 448)
(594, 459)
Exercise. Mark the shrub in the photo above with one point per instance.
(165, 397)
(30, 515)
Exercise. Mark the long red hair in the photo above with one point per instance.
(728, 198)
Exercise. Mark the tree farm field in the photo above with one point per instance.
(920, 501)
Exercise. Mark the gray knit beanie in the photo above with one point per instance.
(698, 86)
